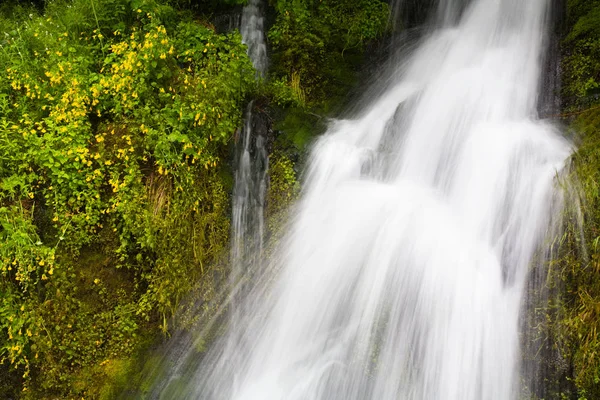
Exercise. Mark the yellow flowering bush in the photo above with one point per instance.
(115, 121)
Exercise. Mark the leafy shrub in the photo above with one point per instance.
(582, 46)
(115, 117)
(317, 42)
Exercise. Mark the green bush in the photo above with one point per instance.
(115, 119)
(318, 45)
(582, 47)
(580, 269)
(580, 322)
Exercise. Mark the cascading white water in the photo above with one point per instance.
(403, 272)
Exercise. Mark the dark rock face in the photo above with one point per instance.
(227, 21)
(261, 126)
(550, 102)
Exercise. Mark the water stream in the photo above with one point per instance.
(253, 35)
(252, 161)
(404, 270)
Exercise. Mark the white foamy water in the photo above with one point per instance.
(403, 273)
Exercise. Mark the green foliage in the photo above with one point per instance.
(580, 303)
(318, 49)
(283, 185)
(582, 47)
(115, 117)
(581, 273)
(207, 6)
(315, 43)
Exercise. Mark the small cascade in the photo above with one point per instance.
(253, 36)
(249, 195)
(252, 165)
(251, 155)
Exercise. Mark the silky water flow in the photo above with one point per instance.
(252, 160)
(404, 268)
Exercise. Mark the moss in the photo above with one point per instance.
(581, 269)
(580, 262)
(283, 185)
(581, 47)
(297, 129)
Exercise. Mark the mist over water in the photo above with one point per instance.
(403, 272)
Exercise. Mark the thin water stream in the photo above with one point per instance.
(252, 162)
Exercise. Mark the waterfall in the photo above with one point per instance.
(404, 270)
(249, 197)
(253, 35)
(250, 173)
(252, 158)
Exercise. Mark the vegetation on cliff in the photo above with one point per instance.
(114, 132)
(578, 306)
(117, 120)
